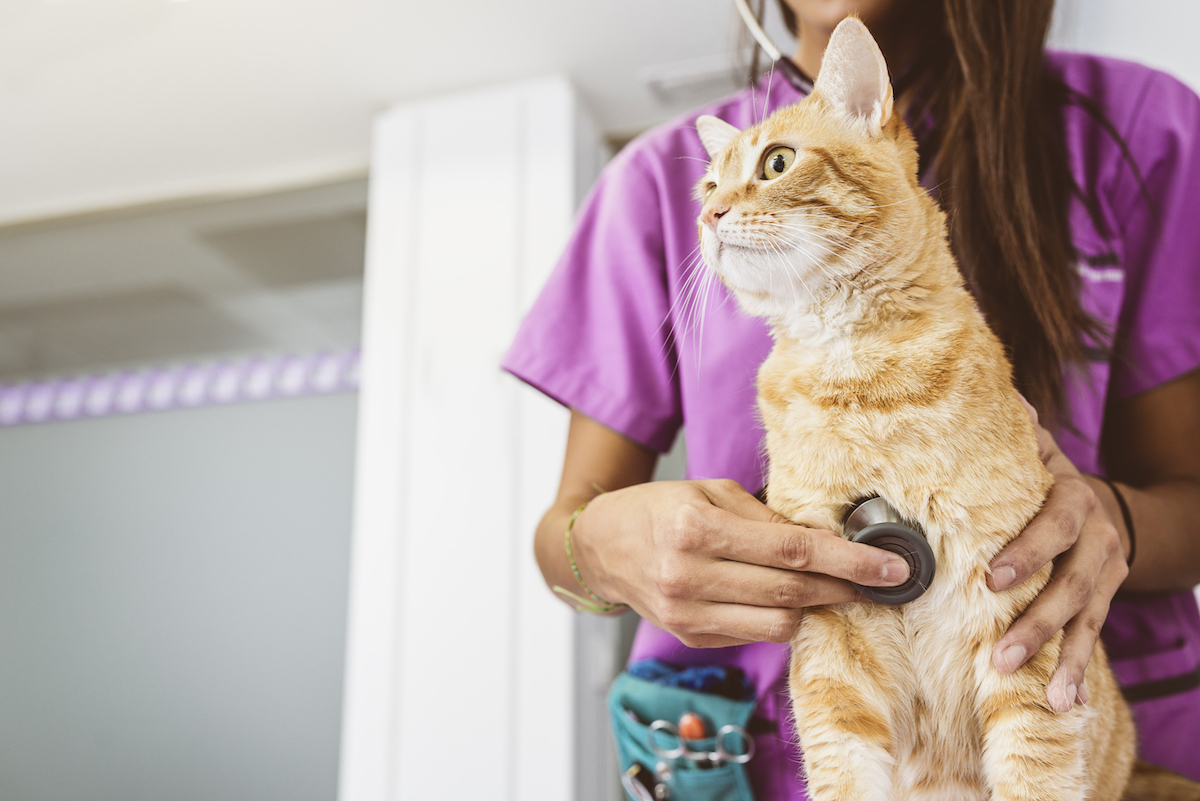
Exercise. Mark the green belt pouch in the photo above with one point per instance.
(634, 704)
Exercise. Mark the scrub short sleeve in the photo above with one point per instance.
(1158, 335)
(598, 338)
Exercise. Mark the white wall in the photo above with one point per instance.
(1159, 33)
(451, 629)
(172, 603)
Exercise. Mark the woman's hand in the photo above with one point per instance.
(707, 562)
(703, 560)
(1090, 568)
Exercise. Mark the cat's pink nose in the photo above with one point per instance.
(713, 214)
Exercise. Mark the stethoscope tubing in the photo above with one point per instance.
(756, 30)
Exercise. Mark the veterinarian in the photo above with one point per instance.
(1073, 184)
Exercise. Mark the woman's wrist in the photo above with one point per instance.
(1116, 506)
(590, 601)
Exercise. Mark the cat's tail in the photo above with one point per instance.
(1152, 783)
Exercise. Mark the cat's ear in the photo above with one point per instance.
(854, 77)
(715, 134)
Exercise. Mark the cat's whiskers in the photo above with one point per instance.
(818, 274)
(688, 306)
(778, 218)
(709, 285)
(804, 270)
(789, 266)
(839, 243)
(847, 237)
(863, 276)
(767, 95)
(808, 238)
(694, 299)
(922, 193)
(698, 306)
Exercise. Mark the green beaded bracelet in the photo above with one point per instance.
(596, 605)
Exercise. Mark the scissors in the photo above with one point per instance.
(718, 757)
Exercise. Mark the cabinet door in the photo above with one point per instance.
(459, 662)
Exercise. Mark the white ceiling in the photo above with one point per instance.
(114, 102)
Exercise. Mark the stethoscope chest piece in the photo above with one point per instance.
(874, 522)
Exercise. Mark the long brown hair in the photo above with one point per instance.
(998, 159)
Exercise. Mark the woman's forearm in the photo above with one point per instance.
(1149, 447)
(549, 545)
(1166, 519)
(597, 459)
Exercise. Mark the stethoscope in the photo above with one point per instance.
(768, 47)
(873, 521)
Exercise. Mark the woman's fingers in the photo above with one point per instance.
(1089, 570)
(714, 625)
(814, 551)
(1074, 603)
(1056, 527)
(1072, 586)
(1079, 641)
(732, 496)
(709, 563)
(1081, 633)
(740, 529)
(1054, 530)
(752, 585)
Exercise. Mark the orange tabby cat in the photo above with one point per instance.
(885, 380)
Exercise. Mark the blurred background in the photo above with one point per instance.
(184, 193)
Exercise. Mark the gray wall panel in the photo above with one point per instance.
(172, 603)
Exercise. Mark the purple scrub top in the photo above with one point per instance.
(627, 332)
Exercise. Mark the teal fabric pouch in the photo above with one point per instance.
(635, 705)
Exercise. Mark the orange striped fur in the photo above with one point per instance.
(886, 380)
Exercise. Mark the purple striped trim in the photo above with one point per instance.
(184, 386)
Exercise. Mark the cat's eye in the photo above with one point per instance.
(776, 162)
(709, 188)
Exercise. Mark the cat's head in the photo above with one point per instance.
(816, 196)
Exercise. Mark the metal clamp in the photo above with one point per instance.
(719, 756)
